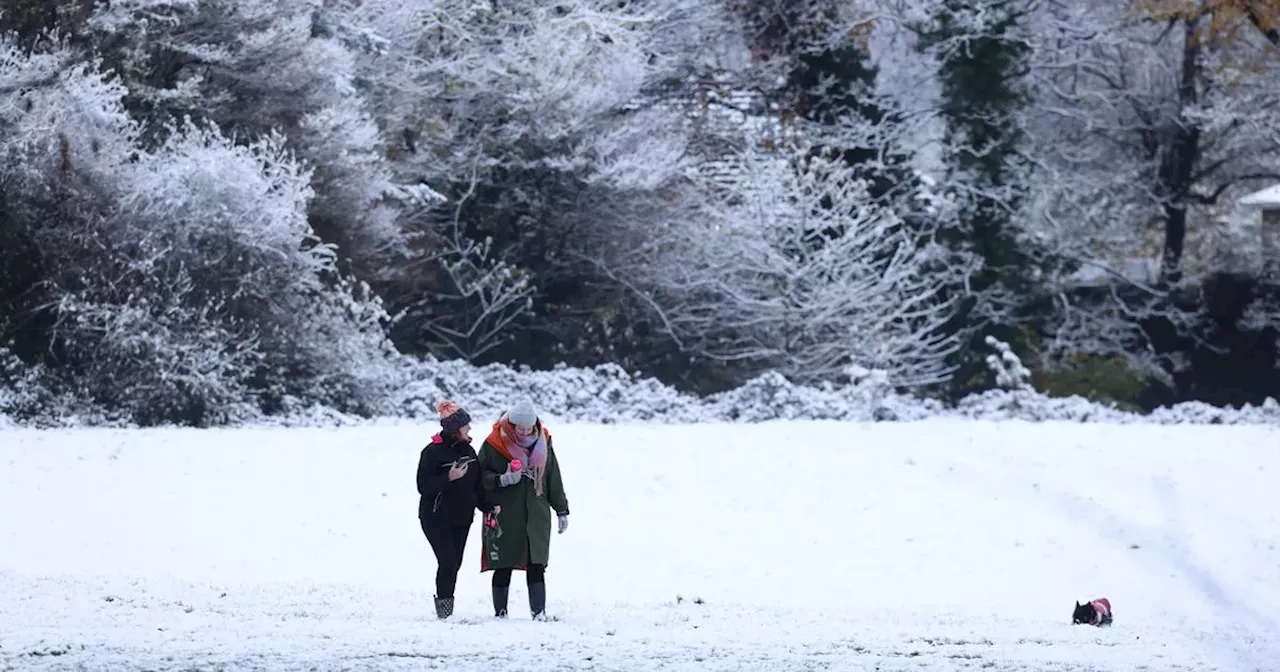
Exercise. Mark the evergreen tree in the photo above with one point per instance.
(981, 60)
(834, 90)
(818, 48)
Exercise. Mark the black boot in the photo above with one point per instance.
(444, 607)
(538, 601)
(500, 601)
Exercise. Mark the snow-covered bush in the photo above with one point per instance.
(771, 396)
(21, 394)
(177, 283)
(30, 396)
(1200, 413)
(191, 248)
(257, 67)
(1015, 399)
(607, 395)
(258, 297)
(1007, 366)
(1036, 407)
(64, 142)
(336, 352)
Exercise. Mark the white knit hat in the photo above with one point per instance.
(523, 414)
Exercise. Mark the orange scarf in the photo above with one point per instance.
(503, 438)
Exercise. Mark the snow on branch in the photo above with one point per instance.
(1007, 367)
(476, 296)
(479, 298)
(805, 272)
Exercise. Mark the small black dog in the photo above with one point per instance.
(1097, 612)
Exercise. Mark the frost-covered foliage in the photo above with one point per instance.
(479, 297)
(59, 113)
(609, 395)
(1151, 119)
(550, 83)
(549, 126)
(30, 396)
(1007, 366)
(208, 207)
(174, 282)
(255, 67)
(234, 218)
(809, 274)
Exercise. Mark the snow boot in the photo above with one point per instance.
(500, 601)
(538, 601)
(444, 607)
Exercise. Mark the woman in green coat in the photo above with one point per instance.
(521, 475)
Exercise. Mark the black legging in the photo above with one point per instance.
(449, 543)
(533, 575)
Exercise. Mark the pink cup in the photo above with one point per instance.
(516, 465)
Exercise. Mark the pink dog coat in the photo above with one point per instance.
(1101, 611)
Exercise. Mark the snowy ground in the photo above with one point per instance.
(942, 545)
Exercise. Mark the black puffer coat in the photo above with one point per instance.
(457, 501)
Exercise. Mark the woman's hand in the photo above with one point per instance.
(458, 470)
(510, 478)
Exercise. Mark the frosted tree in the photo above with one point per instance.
(981, 50)
(813, 57)
(233, 218)
(1212, 89)
(64, 139)
(810, 83)
(93, 301)
(469, 88)
(255, 67)
(179, 283)
(810, 275)
(1152, 119)
(550, 129)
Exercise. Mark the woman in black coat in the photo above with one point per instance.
(450, 489)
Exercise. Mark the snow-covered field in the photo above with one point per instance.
(938, 545)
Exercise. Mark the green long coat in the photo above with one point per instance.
(523, 534)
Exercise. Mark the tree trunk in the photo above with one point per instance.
(1175, 236)
(1179, 161)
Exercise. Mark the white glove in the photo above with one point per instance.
(564, 523)
(509, 478)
